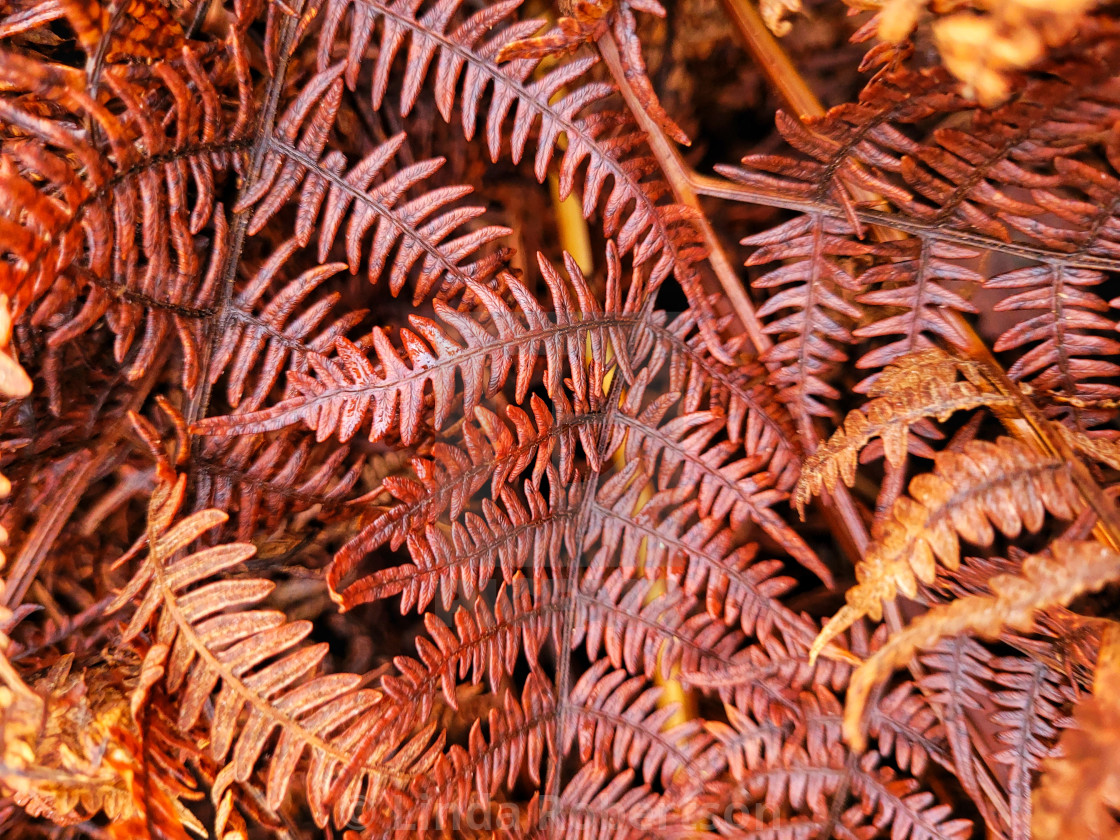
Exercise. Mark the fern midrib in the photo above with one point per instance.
(741, 193)
(468, 356)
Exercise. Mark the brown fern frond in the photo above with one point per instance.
(260, 342)
(818, 289)
(1034, 178)
(1068, 353)
(914, 281)
(1075, 567)
(1002, 484)
(495, 451)
(808, 774)
(207, 643)
(352, 389)
(1031, 697)
(513, 532)
(605, 715)
(704, 382)
(632, 211)
(912, 388)
(266, 481)
(418, 229)
(595, 801)
(715, 562)
(121, 228)
(90, 742)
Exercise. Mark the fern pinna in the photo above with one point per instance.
(391, 446)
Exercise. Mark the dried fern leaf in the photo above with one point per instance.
(336, 199)
(912, 388)
(1073, 568)
(797, 773)
(249, 664)
(74, 746)
(1004, 484)
(125, 228)
(267, 480)
(1099, 449)
(388, 391)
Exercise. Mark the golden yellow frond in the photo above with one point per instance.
(1002, 484)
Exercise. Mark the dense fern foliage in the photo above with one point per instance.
(395, 444)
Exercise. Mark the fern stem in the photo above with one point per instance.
(879, 219)
(200, 400)
(678, 178)
(772, 60)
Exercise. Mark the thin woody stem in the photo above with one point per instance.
(772, 60)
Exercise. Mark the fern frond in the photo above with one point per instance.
(912, 388)
(514, 532)
(957, 680)
(1075, 567)
(913, 280)
(367, 195)
(123, 228)
(388, 390)
(668, 529)
(619, 622)
(266, 481)
(596, 802)
(1032, 177)
(806, 773)
(685, 451)
(1067, 349)
(553, 101)
(251, 663)
(494, 454)
(605, 713)
(1002, 484)
(901, 802)
(271, 329)
(818, 289)
(1031, 698)
(704, 382)
(75, 747)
